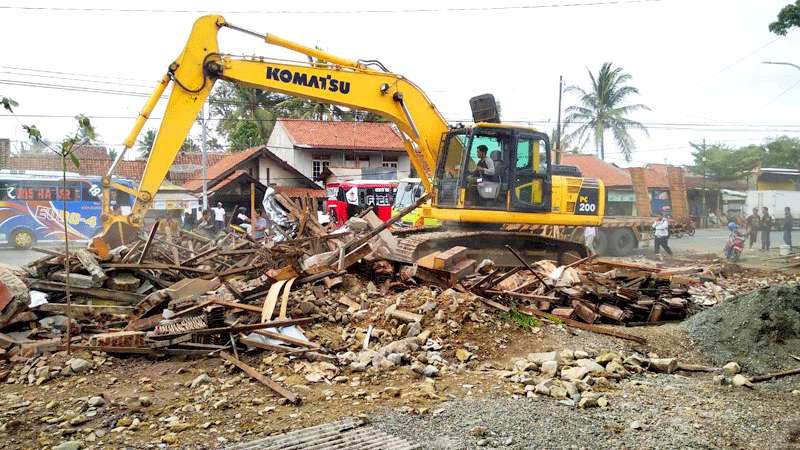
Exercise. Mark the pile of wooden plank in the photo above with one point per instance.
(177, 292)
(596, 290)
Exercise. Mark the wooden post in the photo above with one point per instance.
(253, 210)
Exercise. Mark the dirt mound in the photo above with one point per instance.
(759, 330)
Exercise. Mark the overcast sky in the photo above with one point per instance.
(697, 63)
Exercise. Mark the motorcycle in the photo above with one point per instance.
(734, 247)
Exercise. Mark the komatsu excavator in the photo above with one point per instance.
(480, 176)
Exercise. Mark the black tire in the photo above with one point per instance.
(601, 241)
(22, 238)
(622, 242)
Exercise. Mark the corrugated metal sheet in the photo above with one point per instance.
(349, 433)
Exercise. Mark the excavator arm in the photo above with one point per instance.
(324, 78)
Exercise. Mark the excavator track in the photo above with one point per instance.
(491, 245)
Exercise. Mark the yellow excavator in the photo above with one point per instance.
(480, 177)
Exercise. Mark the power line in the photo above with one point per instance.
(332, 12)
(786, 91)
(656, 125)
(109, 77)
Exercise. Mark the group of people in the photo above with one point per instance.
(764, 223)
(215, 219)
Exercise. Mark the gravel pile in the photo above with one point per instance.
(759, 330)
(660, 411)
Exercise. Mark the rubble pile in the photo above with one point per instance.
(176, 292)
(327, 307)
(578, 378)
(597, 290)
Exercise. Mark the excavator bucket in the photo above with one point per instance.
(117, 234)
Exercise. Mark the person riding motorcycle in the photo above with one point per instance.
(735, 243)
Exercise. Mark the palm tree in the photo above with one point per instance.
(145, 143)
(603, 108)
(148, 139)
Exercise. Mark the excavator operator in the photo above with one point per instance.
(485, 166)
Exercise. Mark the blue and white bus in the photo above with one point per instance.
(31, 204)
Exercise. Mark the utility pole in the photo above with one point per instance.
(204, 161)
(558, 123)
(704, 219)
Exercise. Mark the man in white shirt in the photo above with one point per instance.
(485, 165)
(661, 227)
(219, 217)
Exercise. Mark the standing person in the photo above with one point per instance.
(661, 227)
(787, 226)
(219, 217)
(766, 226)
(589, 233)
(261, 224)
(753, 223)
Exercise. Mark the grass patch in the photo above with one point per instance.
(522, 321)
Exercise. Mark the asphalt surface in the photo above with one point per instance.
(712, 240)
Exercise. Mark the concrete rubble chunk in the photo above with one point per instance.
(664, 365)
(731, 369)
(200, 380)
(549, 369)
(541, 358)
(740, 380)
(591, 365)
(79, 365)
(69, 445)
(606, 357)
(574, 373)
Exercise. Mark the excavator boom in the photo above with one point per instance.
(324, 78)
(488, 174)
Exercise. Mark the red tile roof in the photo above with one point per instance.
(230, 179)
(594, 167)
(221, 167)
(343, 135)
(94, 161)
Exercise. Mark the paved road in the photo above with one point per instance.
(713, 241)
(17, 258)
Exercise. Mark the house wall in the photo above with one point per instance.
(302, 159)
(786, 185)
(280, 144)
(270, 172)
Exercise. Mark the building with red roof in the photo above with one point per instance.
(311, 146)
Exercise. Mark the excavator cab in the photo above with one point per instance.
(497, 167)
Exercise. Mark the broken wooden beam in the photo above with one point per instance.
(582, 326)
(775, 375)
(89, 262)
(148, 242)
(258, 376)
(127, 298)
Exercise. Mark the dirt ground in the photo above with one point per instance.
(233, 408)
(139, 402)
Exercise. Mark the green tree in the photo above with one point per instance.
(247, 115)
(148, 139)
(603, 107)
(145, 142)
(788, 17)
(720, 162)
(783, 152)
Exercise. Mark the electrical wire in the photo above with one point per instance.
(328, 12)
